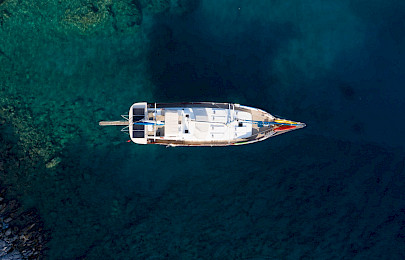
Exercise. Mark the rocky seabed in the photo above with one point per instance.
(22, 235)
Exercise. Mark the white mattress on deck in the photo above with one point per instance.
(171, 123)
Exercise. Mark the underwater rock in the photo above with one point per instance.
(122, 16)
(15, 255)
(104, 16)
(7, 7)
(85, 17)
(127, 15)
(3, 247)
(22, 235)
(53, 162)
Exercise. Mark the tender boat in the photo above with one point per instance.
(201, 124)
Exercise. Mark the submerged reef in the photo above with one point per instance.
(88, 17)
(22, 235)
(104, 15)
(23, 150)
(23, 141)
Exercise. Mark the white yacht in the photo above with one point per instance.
(200, 124)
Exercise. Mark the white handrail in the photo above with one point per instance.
(154, 125)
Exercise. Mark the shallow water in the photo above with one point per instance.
(331, 190)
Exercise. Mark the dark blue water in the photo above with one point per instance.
(333, 190)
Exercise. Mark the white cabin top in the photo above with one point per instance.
(205, 124)
(196, 124)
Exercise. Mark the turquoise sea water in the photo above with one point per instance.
(330, 191)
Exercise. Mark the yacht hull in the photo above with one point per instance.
(202, 124)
